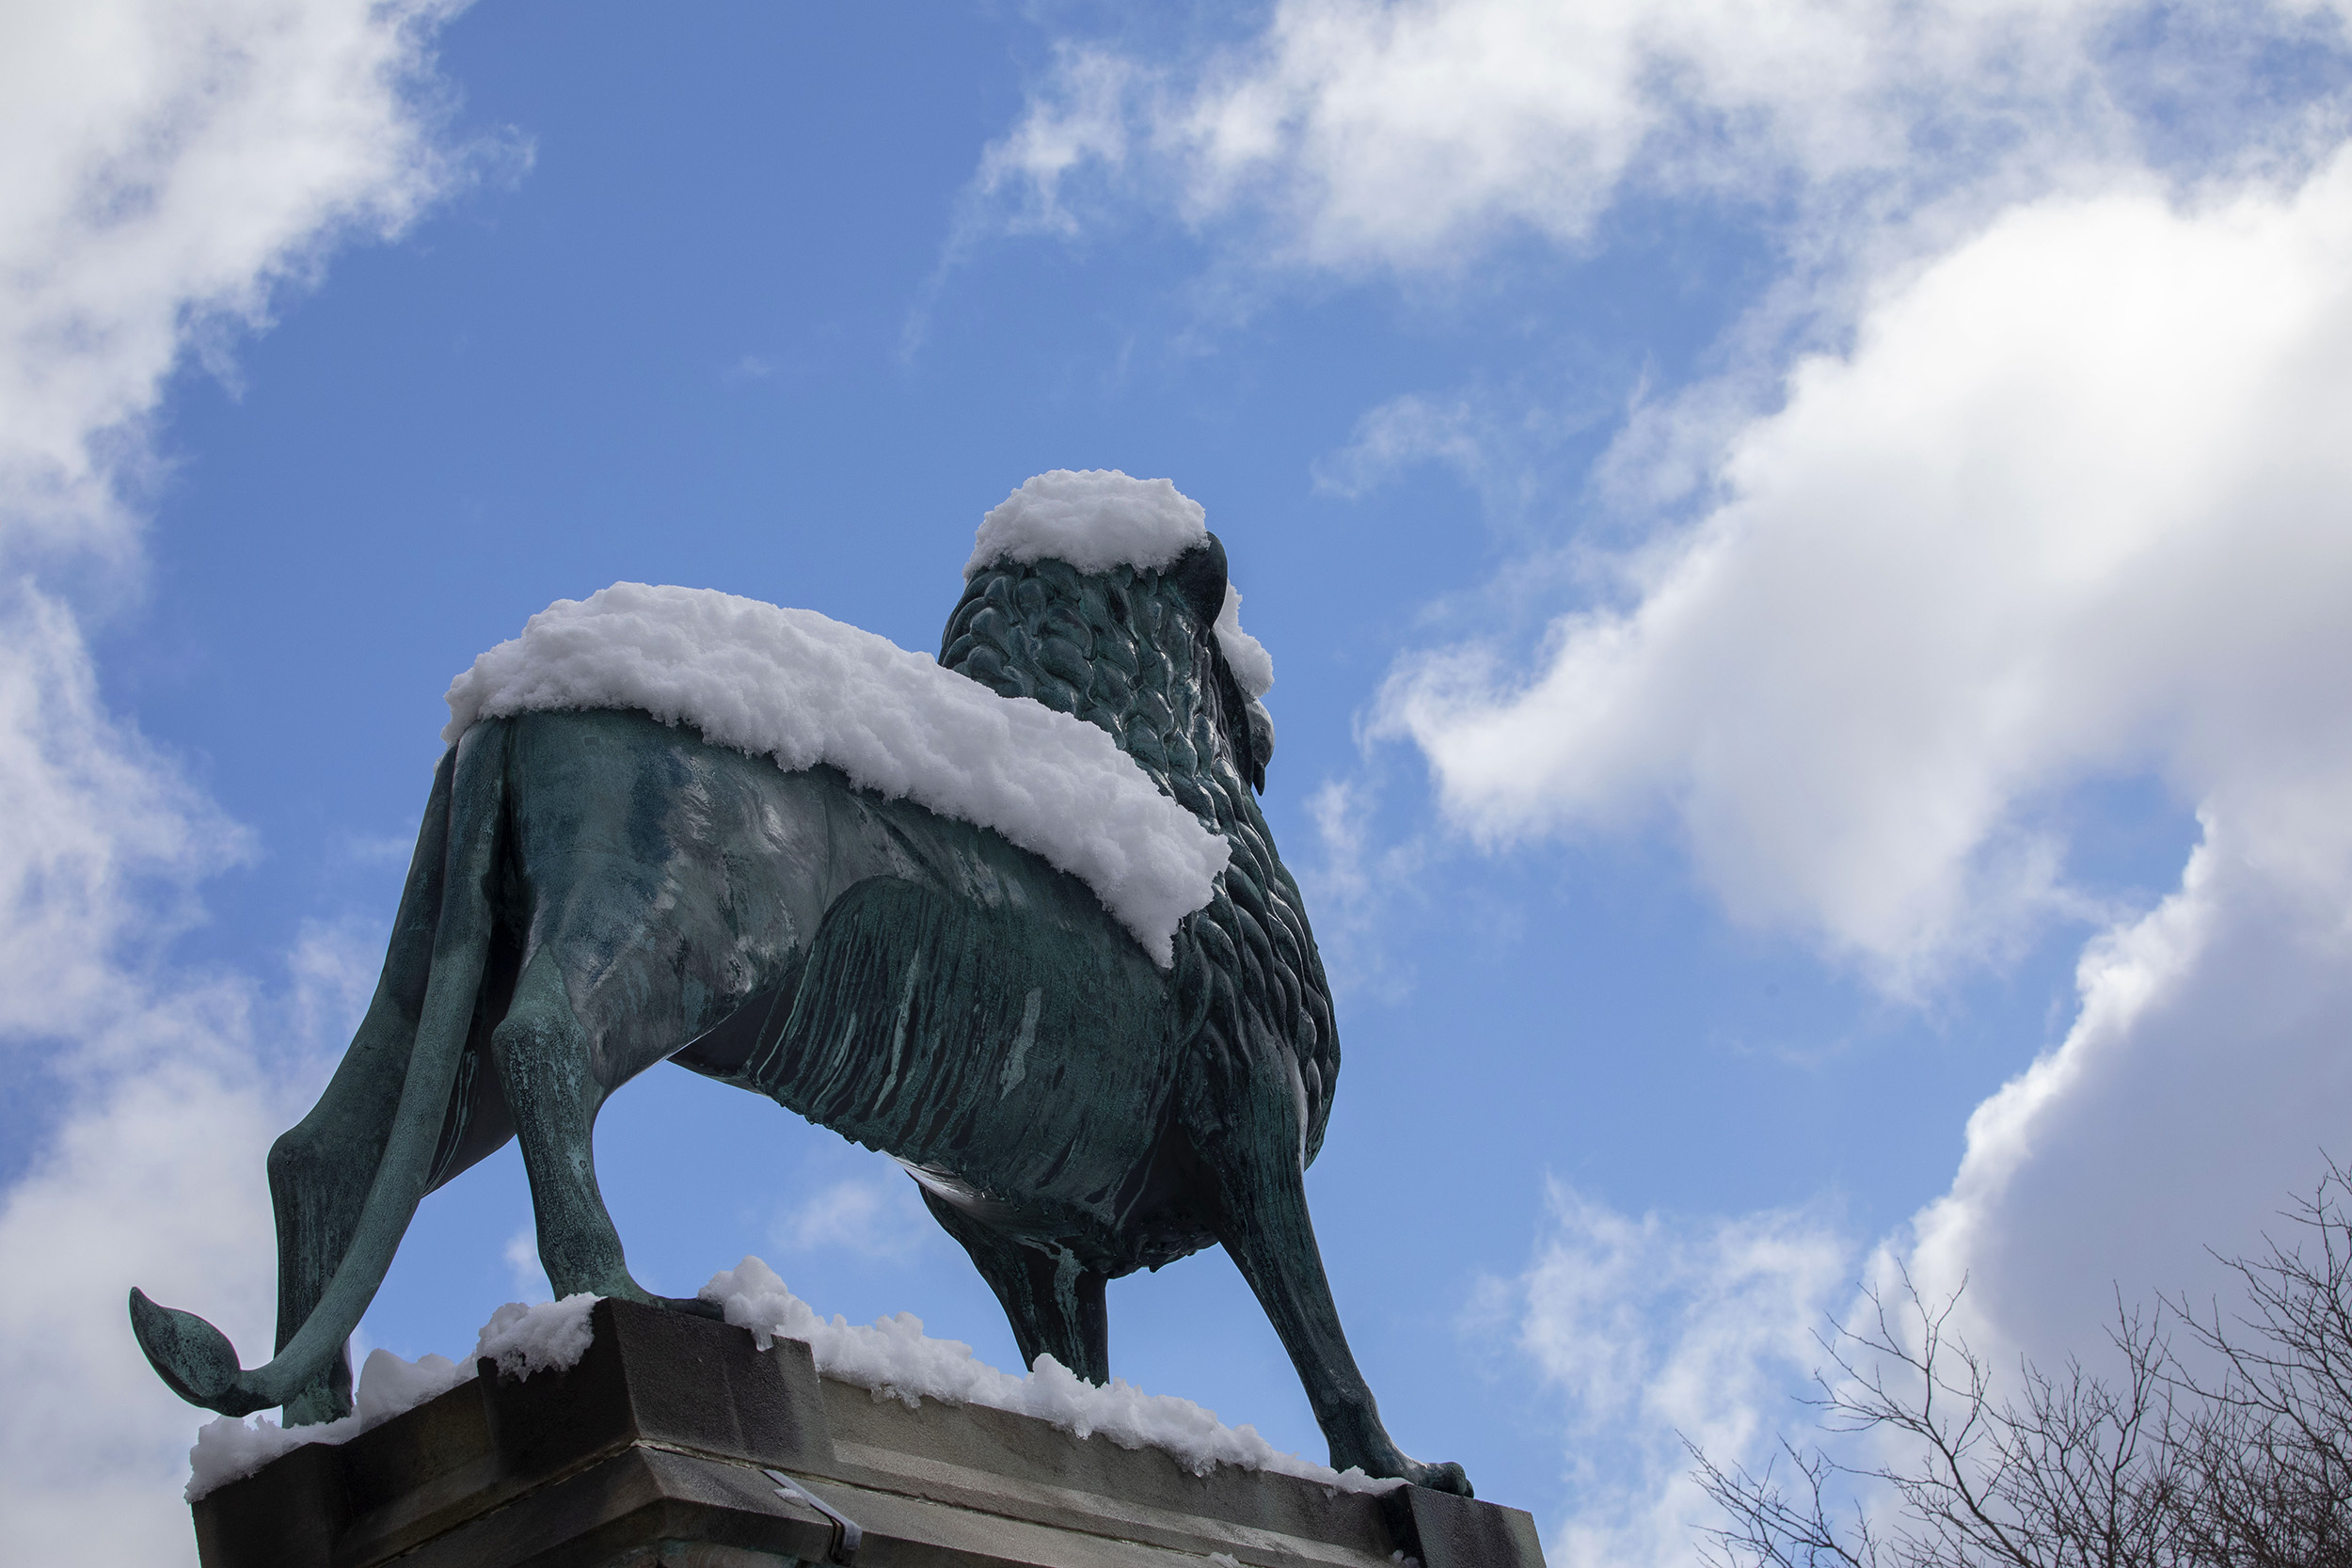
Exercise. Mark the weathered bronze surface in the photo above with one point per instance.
(594, 894)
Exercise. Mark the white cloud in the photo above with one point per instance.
(149, 1176)
(105, 841)
(2185, 1112)
(164, 168)
(1353, 134)
(155, 1100)
(1652, 1331)
(2174, 1128)
(2072, 508)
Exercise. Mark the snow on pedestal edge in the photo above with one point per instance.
(892, 1359)
(521, 1340)
(895, 1359)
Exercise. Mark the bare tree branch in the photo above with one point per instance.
(2247, 1464)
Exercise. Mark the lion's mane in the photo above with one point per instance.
(1123, 650)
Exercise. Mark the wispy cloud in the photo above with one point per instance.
(1081, 122)
(1356, 887)
(1408, 429)
(1351, 136)
(167, 168)
(879, 1216)
(524, 1268)
(1653, 1331)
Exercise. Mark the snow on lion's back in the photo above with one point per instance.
(807, 690)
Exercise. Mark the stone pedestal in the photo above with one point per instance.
(652, 1454)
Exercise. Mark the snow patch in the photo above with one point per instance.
(545, 1336)
(522, 1339)
(231, 1449)
(805, 689)
(1253, 666)
(1094, 519)
(896, 1359)
(1097, 519)
(389, 1386)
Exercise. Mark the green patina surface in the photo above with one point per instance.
(594, 894)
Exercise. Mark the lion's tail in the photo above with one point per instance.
(195, 1358)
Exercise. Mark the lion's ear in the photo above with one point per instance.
(1199, 573)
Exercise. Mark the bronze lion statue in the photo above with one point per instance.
(594, 893)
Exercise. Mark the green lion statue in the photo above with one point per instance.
(1014, 918)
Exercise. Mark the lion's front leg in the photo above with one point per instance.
(1260, 1202)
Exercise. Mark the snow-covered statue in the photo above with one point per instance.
(1012, 916)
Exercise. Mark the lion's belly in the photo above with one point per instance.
(990, 1026)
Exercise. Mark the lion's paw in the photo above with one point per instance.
(1447, 1476)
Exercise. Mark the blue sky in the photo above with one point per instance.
(1800, 543)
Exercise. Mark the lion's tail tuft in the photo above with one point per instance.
(192, 1357)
